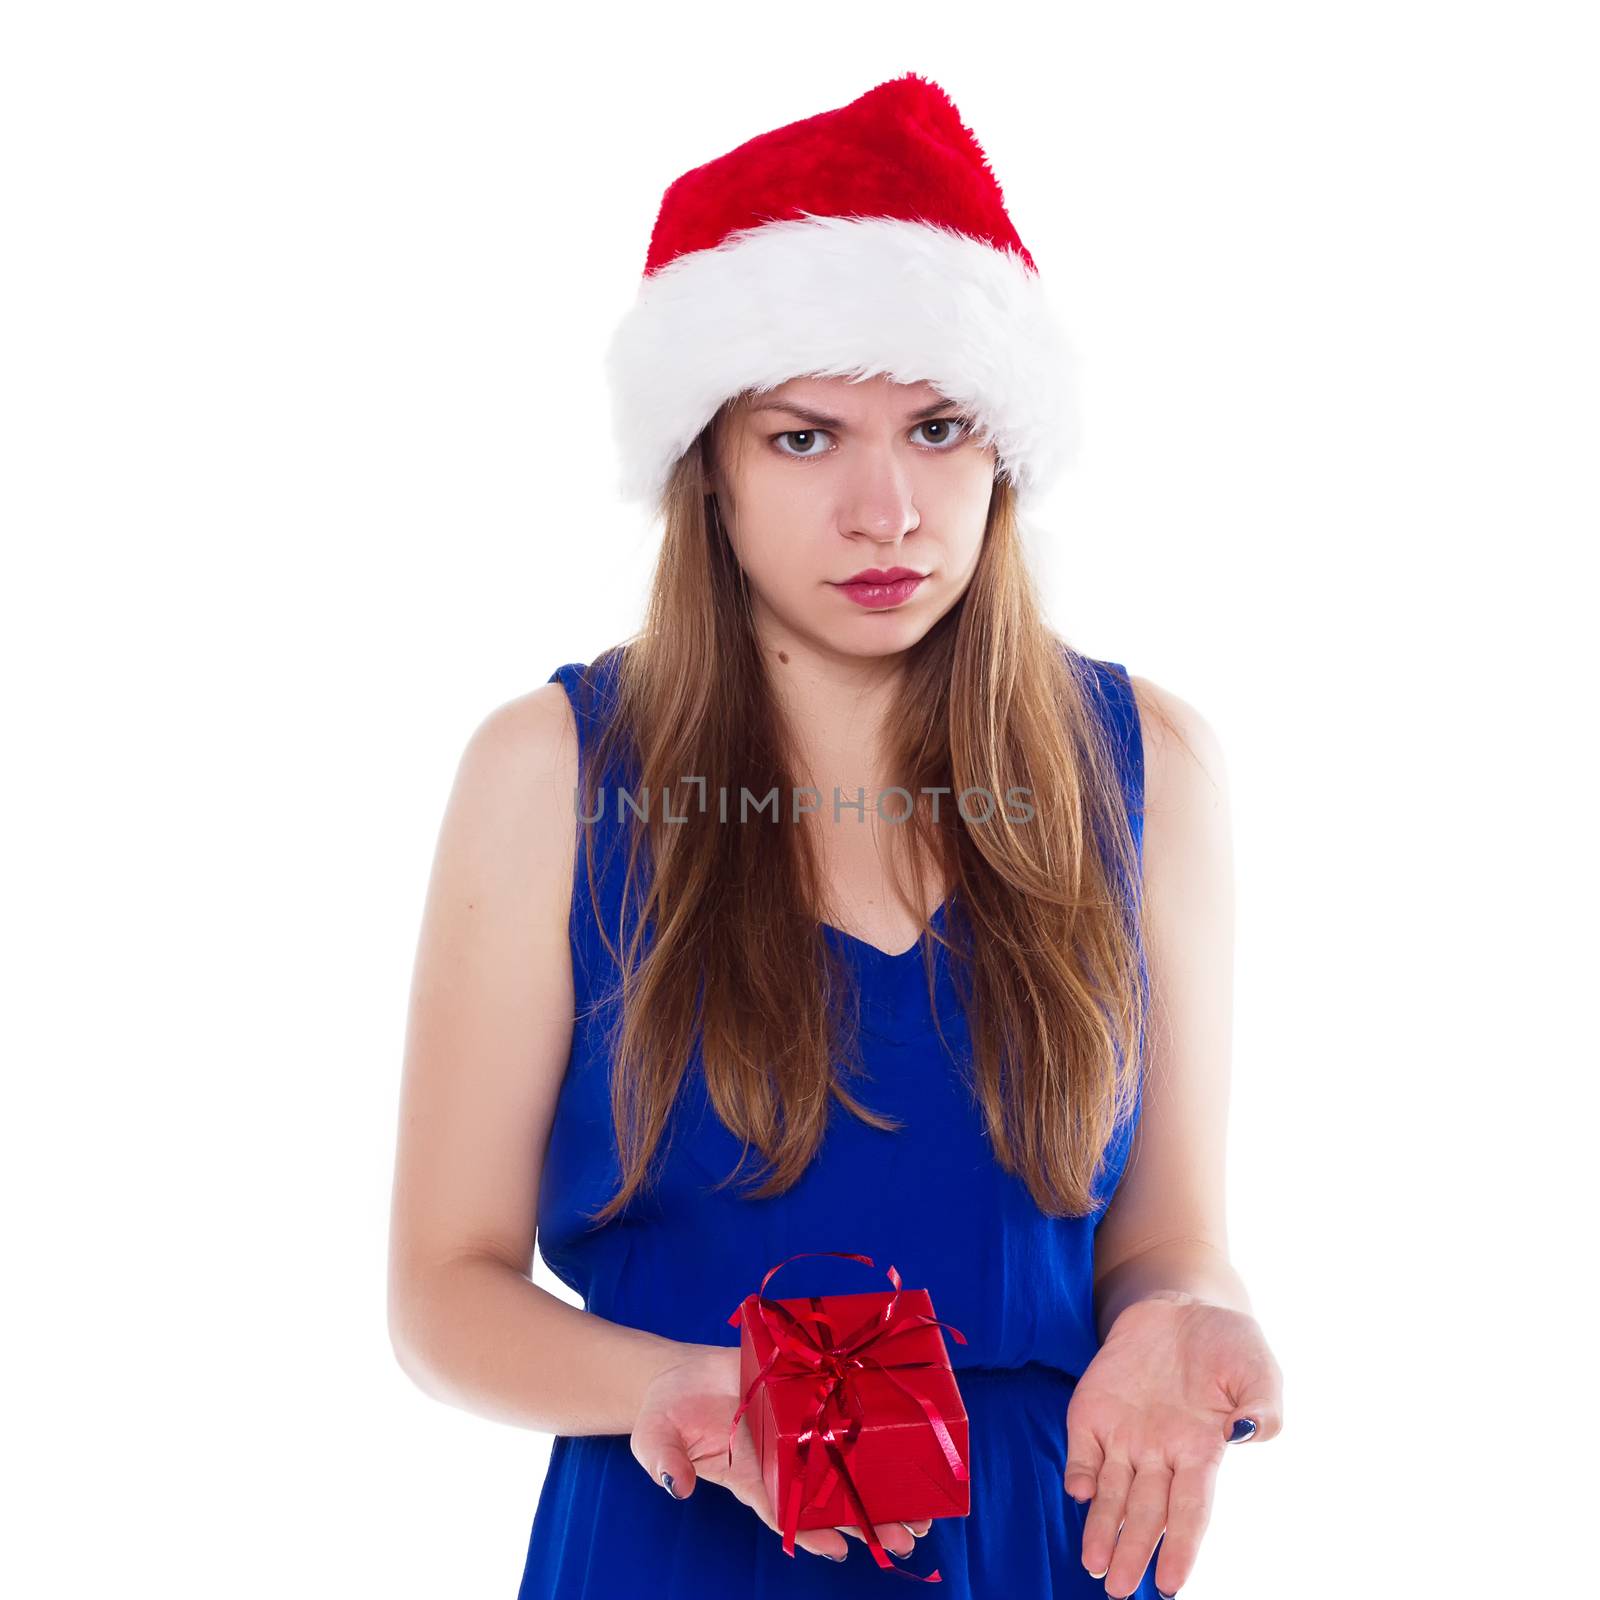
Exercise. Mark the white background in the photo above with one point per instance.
(306, 467)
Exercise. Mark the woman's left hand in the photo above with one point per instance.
(1147, 1425)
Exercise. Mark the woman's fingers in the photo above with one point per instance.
(658, 1448)
(818, 1544)
(1188, 1512)
(1258, 1392)
(1144, 1515)
(819, 1541)
(826, 1542)
(747, 1486)
(1156, 1510)
(1084, 1457)
(898, 1538)
(1104, 1518)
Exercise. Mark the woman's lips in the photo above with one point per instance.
(879, 596)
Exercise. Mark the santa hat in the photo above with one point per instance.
(868, 240)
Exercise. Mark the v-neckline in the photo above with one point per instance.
(877, 952)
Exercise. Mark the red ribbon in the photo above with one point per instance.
(807, 1351)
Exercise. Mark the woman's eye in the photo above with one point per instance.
(807, 434)
(954, 428)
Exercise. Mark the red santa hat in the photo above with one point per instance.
(868, 240)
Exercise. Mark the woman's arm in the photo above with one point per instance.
(488, 1038)
(1164, 1234)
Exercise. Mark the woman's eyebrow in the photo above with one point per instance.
(818, 419)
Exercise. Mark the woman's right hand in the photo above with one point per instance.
(682, 1433)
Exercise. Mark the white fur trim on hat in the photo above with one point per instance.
(843, 297)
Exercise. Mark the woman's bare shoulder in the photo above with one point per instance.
(506, 845)
(1181, 747)
(531, 740)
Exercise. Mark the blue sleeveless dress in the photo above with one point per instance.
(929, 1200)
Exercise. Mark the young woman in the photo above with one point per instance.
(874, 885)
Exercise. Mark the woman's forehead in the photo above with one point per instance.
(843, 394)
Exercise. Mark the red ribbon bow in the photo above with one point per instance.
(806, 1351)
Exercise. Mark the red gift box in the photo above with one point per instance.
(853, 1408)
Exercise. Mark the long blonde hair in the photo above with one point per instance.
(1045, 916)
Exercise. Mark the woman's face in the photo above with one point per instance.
(823, 480)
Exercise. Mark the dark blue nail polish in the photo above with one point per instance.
(1242, 1429)
(1164, 1595)
(666, 1483)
